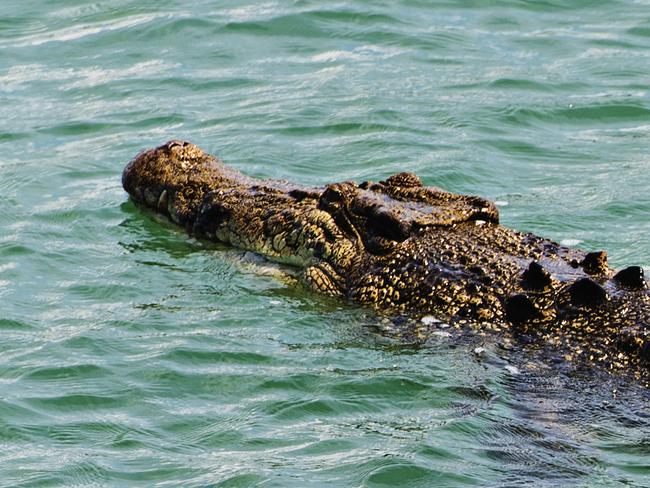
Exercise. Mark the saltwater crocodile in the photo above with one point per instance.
(411, 250)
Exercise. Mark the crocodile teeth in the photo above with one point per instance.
(162, 202)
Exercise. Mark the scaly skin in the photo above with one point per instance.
(409, 249)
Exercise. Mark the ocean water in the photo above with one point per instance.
(131, 355)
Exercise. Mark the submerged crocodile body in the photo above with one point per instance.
(409, 249)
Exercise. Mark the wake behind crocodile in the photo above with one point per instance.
(409, 250)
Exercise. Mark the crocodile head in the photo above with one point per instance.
(407, 248)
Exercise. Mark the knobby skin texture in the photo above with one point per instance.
(409, 249)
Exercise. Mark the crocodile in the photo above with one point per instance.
(409, 250)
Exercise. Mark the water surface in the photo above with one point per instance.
(134, 356)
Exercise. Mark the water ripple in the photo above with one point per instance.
(72, 33)
(134, 356)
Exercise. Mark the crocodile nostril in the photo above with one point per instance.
(175, 143)
(404, 179)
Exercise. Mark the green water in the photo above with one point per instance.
(131, 355)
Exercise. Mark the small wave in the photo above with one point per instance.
(75, 402)
(248, 13)
(570, 242)
(81, 31)
(362, 53)
(272, 12)
(197, 357)
(19, 76)
(578, 115)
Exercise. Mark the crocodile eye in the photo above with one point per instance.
(333, 195)
(335, 199)
(331, 199)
